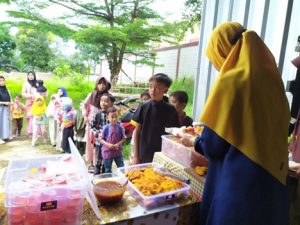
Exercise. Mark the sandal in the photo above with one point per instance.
(2, 142)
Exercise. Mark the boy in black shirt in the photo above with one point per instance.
(151, 118)
(179, 99)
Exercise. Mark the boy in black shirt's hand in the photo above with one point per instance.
(151, 118)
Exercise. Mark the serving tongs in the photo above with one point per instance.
(165, 172)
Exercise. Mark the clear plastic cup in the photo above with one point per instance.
(36, 186)
(62, 198)
(16, 210)
(74, 210)
(59, 180)
(32, 216)
(75, 190)
(47, 178)
(71, 218)
(73, 178)
(75, 202)
(20, 197)
(48, 195)
(55, 216)
(15, 219)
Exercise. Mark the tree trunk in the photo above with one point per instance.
(115, 62)
(114, 74)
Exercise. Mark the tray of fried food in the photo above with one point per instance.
(149, 182)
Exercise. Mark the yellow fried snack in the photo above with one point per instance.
(150, 182)
(201, 170)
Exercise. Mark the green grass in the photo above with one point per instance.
(126, 149)
(76, 92)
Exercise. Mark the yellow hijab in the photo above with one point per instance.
(247, 105)
(38, 109)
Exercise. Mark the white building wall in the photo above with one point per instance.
(188, 61)
(168, 60)
(143, 73)
(269, 18)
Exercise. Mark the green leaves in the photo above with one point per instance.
(34, 48)
(37, 22)
(7, 49)
(7, 42)
(192, 13)
(4, 1)
(111, 28)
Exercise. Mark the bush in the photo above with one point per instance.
(76, 73)
(77, 92)
(185, 84)
(62, 70)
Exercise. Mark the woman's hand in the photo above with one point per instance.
(188, 140)
(294, 169)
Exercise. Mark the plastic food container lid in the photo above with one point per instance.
(90, 195)
(198, 124)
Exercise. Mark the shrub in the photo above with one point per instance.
(185, 84)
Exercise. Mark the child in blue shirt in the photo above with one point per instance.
(112, 138)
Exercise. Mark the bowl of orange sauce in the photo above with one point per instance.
(109, 188)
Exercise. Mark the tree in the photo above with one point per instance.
(91, 54)
(116, 27)
(192, 12)
(34, 48)
(7, 49)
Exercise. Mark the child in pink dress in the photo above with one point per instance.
(29, 92)
(90, 108)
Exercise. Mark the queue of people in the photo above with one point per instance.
(96, 113)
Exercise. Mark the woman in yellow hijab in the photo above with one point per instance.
(246, 119)
(38, 111)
